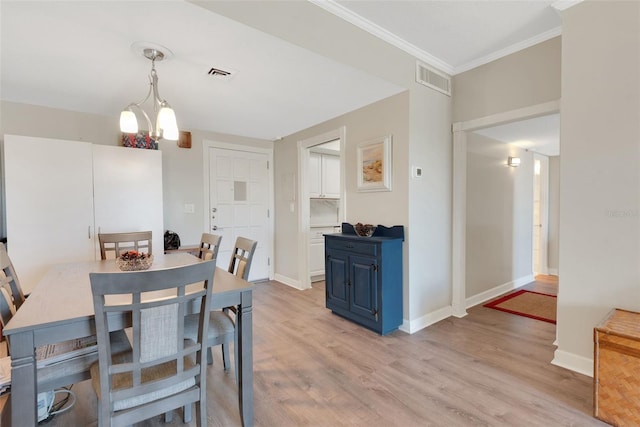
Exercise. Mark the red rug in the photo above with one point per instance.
(530, 304)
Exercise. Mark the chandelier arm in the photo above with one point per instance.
(158, 100)
(151, 133)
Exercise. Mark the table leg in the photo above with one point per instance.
(245, 358)
(23, 380)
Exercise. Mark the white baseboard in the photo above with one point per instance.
(573, 362)
(426, 320)
(553, 271)
(288, 281)
(498, 290)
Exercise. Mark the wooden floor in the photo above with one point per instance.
(313, 368)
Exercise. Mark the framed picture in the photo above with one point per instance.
(374, 164)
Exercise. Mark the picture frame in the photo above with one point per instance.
(375, 164)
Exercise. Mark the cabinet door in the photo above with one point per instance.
(128, 192)
(49, 200)
(336, 280)
(363, 276)
(331, 176)
(315, 174)
(316, 257)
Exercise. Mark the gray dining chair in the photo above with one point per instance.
(221, 325)
(164, 371)
(242, 256)
(9, 278)
(66, 370)
(114, 244)
(209, 245)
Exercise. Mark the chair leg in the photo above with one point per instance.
(209, 356)
(186, 416)
(225, 356)
(168, 416)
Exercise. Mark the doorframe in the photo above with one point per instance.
(304, 280)
(459, 198)
(544, 213)
(206, 145)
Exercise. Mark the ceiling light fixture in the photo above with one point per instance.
(513, 161)
(165, 119)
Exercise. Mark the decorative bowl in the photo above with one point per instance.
(134, 261)
(364, 230)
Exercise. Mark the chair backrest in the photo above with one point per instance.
(162, 367)
(7, 309)
(117, 243)
(9, 279)
(209, 245)
(242, 256)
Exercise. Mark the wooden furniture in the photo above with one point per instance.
(113, 244)
(616, 373)
(69, 191)
(67, 369)
(241, 257)
(221, 326)
(163, 371)
(209, 246)
(61, 308)
(324, 175)
(364, 277)
(9, 278)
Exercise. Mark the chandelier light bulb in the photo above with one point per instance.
(128, 122)
(166, 124)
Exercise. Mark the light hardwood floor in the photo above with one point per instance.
(313, 368)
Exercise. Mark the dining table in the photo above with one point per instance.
(60, 308)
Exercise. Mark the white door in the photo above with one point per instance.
(127, 186)
(540, 213)
(49, 196)
(239, 204)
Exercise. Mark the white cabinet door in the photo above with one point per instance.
(127, 186)
(331, 176)
(49, 197)
(315, 175)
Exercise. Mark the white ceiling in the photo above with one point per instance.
(77, 55)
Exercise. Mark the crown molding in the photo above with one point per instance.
(554, 32)
(562, 5)
(342, 12)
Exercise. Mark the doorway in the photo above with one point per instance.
(460, 130)
(238, 201)
(329, 200)
(540, 214)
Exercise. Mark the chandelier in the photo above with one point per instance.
(165, 119)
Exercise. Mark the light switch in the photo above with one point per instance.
(416, 171)
(189, 208)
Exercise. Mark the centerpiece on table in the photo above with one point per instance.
(134, 260)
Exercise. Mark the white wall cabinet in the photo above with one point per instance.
(324, 175)
(60, 193)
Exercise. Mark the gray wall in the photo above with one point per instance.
(528, 77)
(182, 168)
(499, 215)
(600, 171)
(387, 117)
(553, 243)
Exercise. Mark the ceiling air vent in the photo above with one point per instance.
(221, 74)
(434, 79)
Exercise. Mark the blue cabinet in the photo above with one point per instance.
(363, 277)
